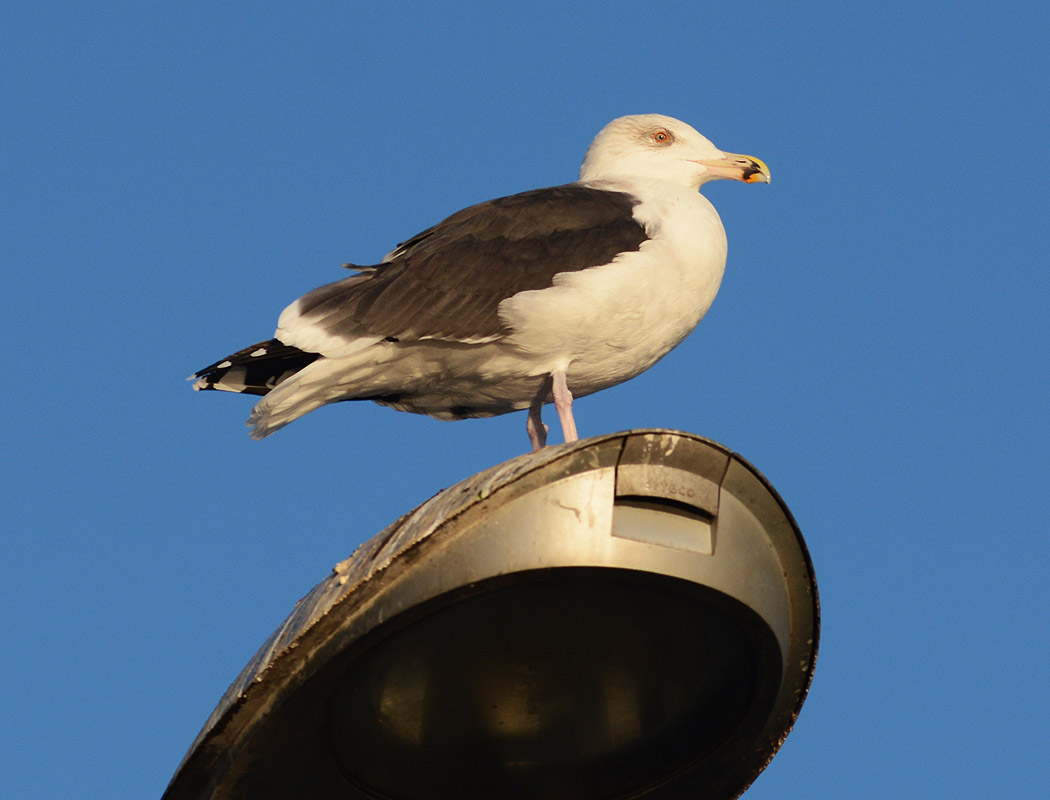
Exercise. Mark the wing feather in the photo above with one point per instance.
(447, 282)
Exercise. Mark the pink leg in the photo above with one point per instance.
(536, 429)
(563, 404)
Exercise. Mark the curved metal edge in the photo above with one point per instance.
(808, 560)
(785, 725)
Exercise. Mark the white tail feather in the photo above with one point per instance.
(326, 380)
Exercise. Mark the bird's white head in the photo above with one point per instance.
(654, 148)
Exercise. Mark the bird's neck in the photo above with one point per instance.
(642, 186)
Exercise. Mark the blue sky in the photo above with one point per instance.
(174, 175)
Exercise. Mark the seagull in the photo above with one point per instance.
(516, 302)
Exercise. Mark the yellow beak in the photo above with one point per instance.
(738, 168)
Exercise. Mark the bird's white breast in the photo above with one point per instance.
(607, 324)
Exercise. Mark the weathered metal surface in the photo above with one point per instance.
(680, 470)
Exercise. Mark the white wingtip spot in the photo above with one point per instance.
(260, 352)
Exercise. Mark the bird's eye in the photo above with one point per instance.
(662, 136)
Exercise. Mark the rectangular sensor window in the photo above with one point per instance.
(663, 523)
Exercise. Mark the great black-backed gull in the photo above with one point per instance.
(516, 302)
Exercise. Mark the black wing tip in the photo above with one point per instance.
(253, 370)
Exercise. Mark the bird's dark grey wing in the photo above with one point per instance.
(448, 281)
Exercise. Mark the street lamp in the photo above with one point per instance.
(632, 614)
